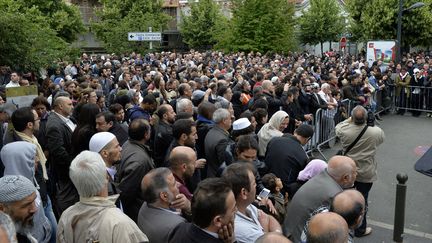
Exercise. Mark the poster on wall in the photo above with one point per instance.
(21, 96)
(381, 50)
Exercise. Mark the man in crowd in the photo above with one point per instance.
(95, 217)
(59, 130)
(163, 133)
(217, 140)
(106, 122)
(182, 164)
(136, 162)
(213, 212)
(250, 222)
(285, 155)
(363, 153)
(18, 200)
(144, 109)
(160, 214)
(107, 146)
(327, 228)
(340, 174)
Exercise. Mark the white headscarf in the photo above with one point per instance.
(270, 130)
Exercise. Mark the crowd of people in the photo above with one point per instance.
(196, 147)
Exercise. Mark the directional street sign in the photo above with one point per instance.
(144, 36)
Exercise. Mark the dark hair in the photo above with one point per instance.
(181, 88)
(161, 111)
(115, 108)
(247, 114)
(87, 115)
(183, 115)
(40, 100)
(245, 142)
(182, 126)
(138, 128)
(209, 201)
(158, 184)
(237, 175)
(269, 182)
(21, 117)
(259, 115)
(206, 110)
(222, 90)
(108, 115)
(149, 99)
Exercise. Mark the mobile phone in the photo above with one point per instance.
(263, 194)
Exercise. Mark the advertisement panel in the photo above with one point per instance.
(381, 50)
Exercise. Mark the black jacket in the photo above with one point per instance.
(162, 140)
(285, 157)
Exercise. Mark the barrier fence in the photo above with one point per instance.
(415, 99)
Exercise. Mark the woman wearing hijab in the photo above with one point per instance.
(278, 122)
(313, 168)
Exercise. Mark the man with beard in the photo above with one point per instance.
(182, 164)
(106, 144)
(136, 163)
(184, 133)
(18, 200)
(163, 133)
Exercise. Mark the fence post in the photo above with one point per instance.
(399, 219)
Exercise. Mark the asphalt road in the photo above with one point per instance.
(406, 138)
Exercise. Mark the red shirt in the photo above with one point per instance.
(182, 188)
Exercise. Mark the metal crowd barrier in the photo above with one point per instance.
(324, 124)
(412, 98)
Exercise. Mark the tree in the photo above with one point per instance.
(322, 22)
(377, 20)
(27, 42)
(64, 18)
(200, 29)
(118, 17)
(259, 25)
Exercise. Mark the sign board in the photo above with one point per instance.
(381, 50)
(144, 36)
(343, 42)
(21, 96)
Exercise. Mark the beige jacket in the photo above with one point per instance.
(97, 219)
(363, 152)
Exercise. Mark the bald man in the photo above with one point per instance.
(350, 204)
(273, 237)
(182, 164)
(327, 227)
(340, 174)
(59, 129)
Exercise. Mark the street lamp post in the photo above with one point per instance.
(399, 26)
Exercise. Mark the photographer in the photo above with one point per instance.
(363, 138)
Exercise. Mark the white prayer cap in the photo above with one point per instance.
(100, 140)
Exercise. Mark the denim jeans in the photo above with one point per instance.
(50, 215)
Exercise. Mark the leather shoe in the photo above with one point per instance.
(368, 231)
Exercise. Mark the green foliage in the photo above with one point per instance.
(322, 22)
(259, 25)
(205, 22)
(27, 42)
(377, 20)
(63, 18)
(118, 17)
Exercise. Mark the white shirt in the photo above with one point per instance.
(68, 121)
(248, 229)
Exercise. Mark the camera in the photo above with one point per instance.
(370, 117)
